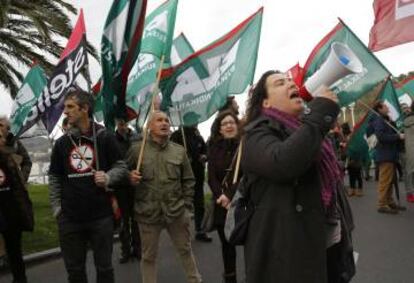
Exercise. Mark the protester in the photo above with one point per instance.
(16, 148)
(129, 233)
(163, 197)
(386, 157)
(196, 152)
(338, 142)
(16, 213)
(408, 158)
(356, 158)
(222, 149)
(78, 189)
(301, 227)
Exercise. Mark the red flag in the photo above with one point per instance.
(296, 73)
(78, 32)
(393, 25)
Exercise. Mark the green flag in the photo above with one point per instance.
(181, 49)
(390, 98)
(405, 90)
(119, 50)
(156, 42)
(351, 87)
(159, 30)
(196, 88)
(27, 96)
(358, 142)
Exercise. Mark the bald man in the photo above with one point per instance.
(164, 188)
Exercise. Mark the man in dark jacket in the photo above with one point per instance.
(129, 234)
(16, 148)
(196, 152)
(386, 157)
(85, 164)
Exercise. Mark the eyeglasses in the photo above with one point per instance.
(228, 123)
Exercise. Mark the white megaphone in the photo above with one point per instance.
(341, 62)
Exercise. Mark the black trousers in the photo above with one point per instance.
(355, 177)
(228, 252)
(129, 234)
(198, 200)
(75, 239)
(13, 242)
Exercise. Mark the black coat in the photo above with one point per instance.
(16, 210)
(220, 156)
(389, 142)
(286, 241)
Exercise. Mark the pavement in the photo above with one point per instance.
(385, 244)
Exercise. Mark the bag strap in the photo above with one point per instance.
(230, 169)
(249, 189)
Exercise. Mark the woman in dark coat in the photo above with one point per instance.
(300, 230)
(15, 210)
(222, 148)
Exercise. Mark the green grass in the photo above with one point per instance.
(45, 234)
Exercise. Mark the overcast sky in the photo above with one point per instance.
(290, 30)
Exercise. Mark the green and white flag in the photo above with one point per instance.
(196, 88)
(27, 96)
(351, 87)
(359, 143)
(156, 42)
(159, 30)
(119, 49)
(405, 90)
(390, 98)
(180, 49)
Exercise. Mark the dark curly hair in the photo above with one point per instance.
(215, 127)
(258, 93)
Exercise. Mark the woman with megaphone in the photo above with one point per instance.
(300, 230)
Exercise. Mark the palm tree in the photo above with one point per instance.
(32, 31)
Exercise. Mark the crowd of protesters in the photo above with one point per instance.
(294, 159)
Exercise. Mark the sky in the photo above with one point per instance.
(290, 30)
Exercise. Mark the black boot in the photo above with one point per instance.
(230, 278)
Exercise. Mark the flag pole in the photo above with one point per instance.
(94, 137)
(237, 168)
(146, 128)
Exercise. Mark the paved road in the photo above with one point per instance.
(385, 244)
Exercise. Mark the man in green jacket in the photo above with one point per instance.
(163, 197)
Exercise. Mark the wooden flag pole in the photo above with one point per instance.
(237, 168)
(146, 128)
(184, 139)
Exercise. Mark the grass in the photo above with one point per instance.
(45, 235)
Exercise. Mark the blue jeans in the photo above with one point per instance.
(75, 238)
